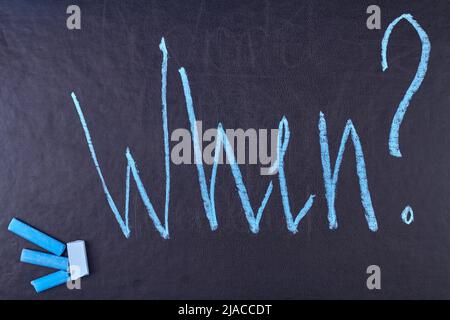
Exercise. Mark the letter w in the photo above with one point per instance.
(131, 165)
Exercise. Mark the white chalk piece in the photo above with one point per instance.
(76, 251)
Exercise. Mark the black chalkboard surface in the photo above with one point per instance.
(304, 67)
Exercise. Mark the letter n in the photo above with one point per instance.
(331, 181)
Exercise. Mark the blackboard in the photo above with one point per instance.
(249, 63)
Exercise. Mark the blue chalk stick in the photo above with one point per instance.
(44, 259)
(51, 280)
(37, 237)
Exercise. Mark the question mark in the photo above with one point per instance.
(394, 148)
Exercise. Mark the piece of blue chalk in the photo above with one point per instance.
(44, 259)
(51, 280)
(37, 237)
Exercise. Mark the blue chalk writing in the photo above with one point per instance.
(162, 47)
(208, 198)
(283, 142)
(330, 175)
(332, 181)
(132, 168)
(394, 148)
(253, 220)
(408, 215)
